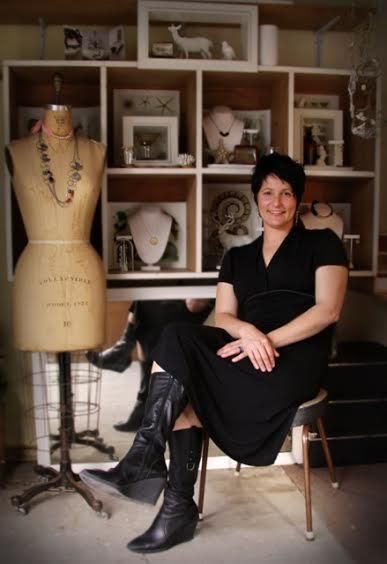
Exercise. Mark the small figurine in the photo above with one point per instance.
(221, 154)
(227, 51)
(322, 155)
(187, 45)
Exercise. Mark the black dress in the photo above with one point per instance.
(246, 412)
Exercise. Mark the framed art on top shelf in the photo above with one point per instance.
(154, 139)
(204, 35)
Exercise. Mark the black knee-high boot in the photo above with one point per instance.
(178, 517)
(135, 417)
(119, 356)
(142, 473)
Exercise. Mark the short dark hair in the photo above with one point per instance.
(282, 166)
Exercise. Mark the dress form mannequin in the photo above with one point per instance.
(150, 228)
(222, 124)
(59, 285)
(321, 216)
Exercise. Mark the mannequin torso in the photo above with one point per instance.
(221, 123)
(322, 216)
(150, 228)
(59, 285)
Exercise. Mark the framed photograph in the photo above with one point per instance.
(95, 44)
(324, 125)
(154, 139)
(130, 102)
(175, 255)
(86, 121)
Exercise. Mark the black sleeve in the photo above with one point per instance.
(329, 249)
(226, 273)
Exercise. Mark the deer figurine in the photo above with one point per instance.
(188, 45)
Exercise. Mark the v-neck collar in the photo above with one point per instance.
(279, 248)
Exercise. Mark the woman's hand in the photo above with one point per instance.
(252, 344)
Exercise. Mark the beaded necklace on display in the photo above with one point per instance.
(74, 175)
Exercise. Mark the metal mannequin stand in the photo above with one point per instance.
(64, 480)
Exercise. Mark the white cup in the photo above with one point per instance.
(268, 45)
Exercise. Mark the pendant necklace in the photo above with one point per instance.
(319, 214)
(153, 239)
(74, 175)
(222, 133)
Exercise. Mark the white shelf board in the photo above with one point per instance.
(304, 70)
(213, 65)
(161, 274)
(361, 273)
(230, 170)
(340, 173)
(129, 171)
(160, 293)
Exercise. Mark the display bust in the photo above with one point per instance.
(221, 124)
(59, 286)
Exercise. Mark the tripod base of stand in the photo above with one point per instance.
(89, 437)
(63, 481)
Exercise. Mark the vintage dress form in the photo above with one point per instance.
(59, 286)
(247, 412)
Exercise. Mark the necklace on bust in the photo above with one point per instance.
(153, 239)
(222, 133)
(318, 213)
(74, 175)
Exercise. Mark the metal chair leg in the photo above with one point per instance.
(308, 498)
(203, 472)
(327, 453)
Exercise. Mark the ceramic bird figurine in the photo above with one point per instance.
(227, 51)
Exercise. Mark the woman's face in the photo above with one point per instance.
(277, 204)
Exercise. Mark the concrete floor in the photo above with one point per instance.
(258, 517)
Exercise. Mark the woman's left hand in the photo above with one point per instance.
(259, 350)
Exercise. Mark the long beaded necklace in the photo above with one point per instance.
(74, 175)
(222, 133)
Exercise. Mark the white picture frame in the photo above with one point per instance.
(178, 210)
(328, 124)
(257, 119)
(317, 101)
(135, 102)
(154, 139)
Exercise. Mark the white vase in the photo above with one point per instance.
(268, 45)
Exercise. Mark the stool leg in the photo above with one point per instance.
(327, 452)
(308, 499)
(203, 472)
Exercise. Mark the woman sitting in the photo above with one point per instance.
(277, 299)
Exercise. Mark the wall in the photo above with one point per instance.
(22, 42)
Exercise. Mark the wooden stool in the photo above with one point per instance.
(308, 413)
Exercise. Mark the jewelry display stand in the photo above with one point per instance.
(64, 479)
